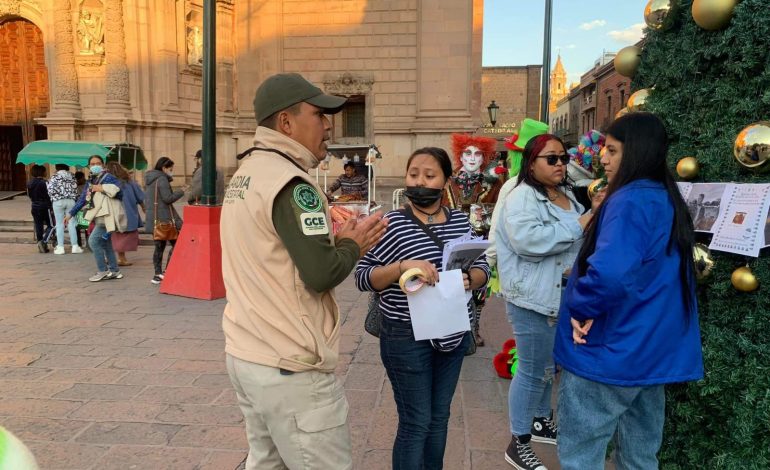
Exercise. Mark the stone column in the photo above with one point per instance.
(66, 97)
(116, 83)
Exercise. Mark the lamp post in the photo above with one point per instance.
(209, 131)
(546, 72)
(492, 109)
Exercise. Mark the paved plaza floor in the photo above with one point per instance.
(114, 375)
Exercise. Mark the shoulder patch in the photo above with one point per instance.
(307, 198)
(314, 223)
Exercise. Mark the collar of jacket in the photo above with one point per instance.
(541, 197)
(265, 137)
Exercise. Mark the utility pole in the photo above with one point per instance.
(209, 163)
(546, 78)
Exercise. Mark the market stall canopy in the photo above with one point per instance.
(77, 152)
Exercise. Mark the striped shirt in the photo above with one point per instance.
(358, 184)
(405, 240)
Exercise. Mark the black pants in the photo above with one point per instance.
(42, 221)
(157, 256)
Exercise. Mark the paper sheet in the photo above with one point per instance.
(740, 227)
(440, 310)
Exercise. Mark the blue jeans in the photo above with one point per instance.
(102, 249)
(424, 381)
(60, 209)
(529, 394)
(590, 413)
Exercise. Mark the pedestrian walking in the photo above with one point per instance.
(159, 201)
(37, 191)
(280, 264)
(101, 201)
(62, 189)
(423, 374)
(629, 321)
(133, 198)
(538, 237)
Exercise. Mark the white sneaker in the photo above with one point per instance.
(59, 250)
(76, 249)
(100, 276)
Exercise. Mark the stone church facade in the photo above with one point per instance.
(130, 70)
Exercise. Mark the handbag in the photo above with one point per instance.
(82, 223)
(163, 230)
(373, 318)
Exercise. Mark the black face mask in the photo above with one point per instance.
(423, 197)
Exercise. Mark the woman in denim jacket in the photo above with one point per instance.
(538, 238)
(629, 320)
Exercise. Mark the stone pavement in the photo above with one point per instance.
(114, 375)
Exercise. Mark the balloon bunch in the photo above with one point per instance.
(586, 154)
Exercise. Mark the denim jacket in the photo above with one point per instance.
(536, 242)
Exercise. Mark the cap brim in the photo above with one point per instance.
(330, 104)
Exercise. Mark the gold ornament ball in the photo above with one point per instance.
(704, 262)
(687, 168)
(638, 99)
(622, 112)
(627, 61)
(713, 15)
(660, 14)
(596, 186)
(744, 280)
(752, 146)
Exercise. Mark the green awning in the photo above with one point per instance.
(77, 152)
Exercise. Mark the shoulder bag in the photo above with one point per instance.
(163, 230)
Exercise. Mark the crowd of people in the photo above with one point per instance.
(106, 208)
(601, 298)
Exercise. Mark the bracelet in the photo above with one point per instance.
(399, 267)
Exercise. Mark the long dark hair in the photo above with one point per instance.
(532, 149)
(645, 147)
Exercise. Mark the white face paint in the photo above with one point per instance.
(472, 159)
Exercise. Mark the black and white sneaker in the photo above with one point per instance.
(544, 430)
(521, 456)
(115, 275)
(156, 279)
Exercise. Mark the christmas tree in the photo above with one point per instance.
(707, 85)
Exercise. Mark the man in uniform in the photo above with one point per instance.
(280, 263)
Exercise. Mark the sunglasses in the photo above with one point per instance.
(552, 159)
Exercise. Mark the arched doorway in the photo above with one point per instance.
(23, 96)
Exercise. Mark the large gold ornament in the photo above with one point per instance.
(627, 61)
(752, 146)
(638, 99)
(713, 15)
(660, 14)
(704, 262)
(596, 186)
(744, 280)
(687, 168)
(622, 112)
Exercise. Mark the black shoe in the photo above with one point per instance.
(522, 456)
(544, 430)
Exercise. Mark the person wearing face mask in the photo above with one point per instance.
(423, 374)
(157, 183)
(469, 191)
(101, 199)
(537, 238)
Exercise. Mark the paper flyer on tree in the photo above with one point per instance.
(740, 228)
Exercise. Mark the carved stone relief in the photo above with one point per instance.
(65, 78)
(90, 27)
(117, 71)
(194, 36)
(348, 84)
(10, 7)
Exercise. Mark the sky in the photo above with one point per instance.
(582, 29)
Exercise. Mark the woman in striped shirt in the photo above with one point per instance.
(423, 374)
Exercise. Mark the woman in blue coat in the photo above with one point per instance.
(629, 319)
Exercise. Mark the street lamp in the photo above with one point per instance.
(492, 108)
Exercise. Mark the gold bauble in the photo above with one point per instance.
(744, 280)
(660, 14)
(703, 261)
(596, 186)
(687, 168)
(627, 61)
(752, 146)
(713, 15)
(622, 112)
(638, 99)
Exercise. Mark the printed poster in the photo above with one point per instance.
(742, 223)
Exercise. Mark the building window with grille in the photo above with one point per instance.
(354, 117)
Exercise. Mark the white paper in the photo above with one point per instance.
(440, 310)
(684, 189)
(462, 252)
(742, 221)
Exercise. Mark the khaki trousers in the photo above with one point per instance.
(295, 422)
